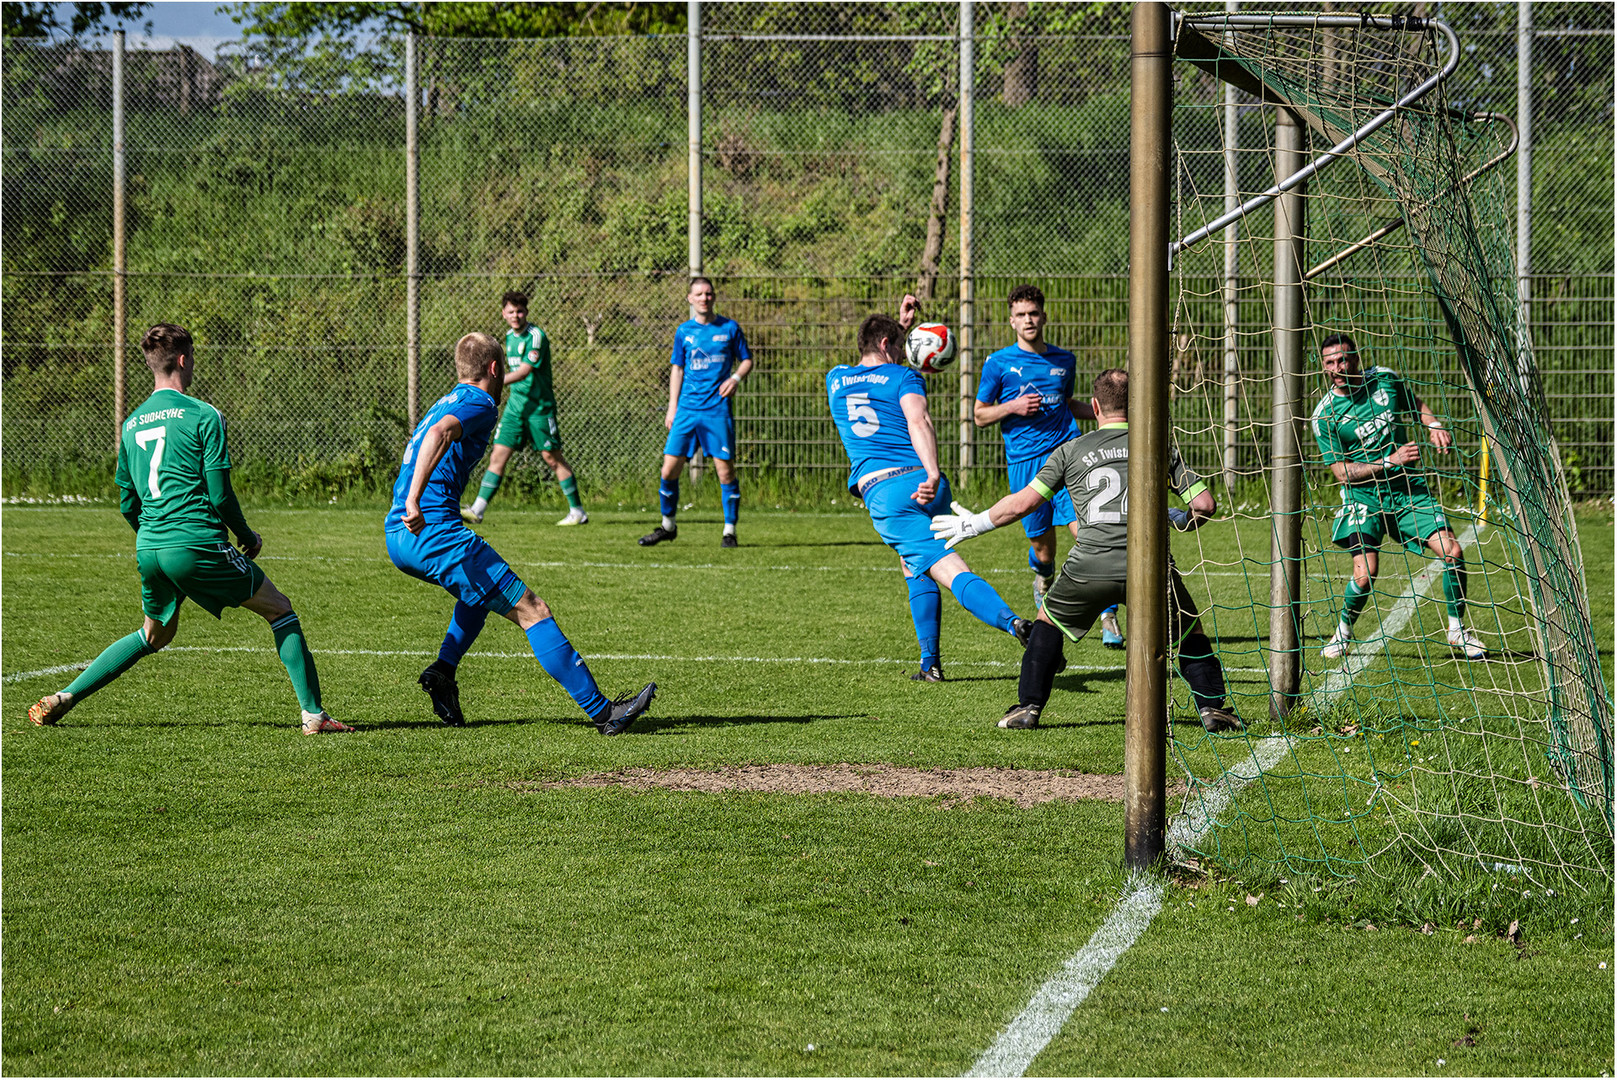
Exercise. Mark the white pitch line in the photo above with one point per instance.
(1044, 1017)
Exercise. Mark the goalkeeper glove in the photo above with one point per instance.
(961, 525)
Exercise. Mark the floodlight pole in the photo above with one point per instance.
(1286, 465)
(120, 297)
(1145, 725)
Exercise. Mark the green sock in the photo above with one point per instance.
(299, 664)
(1353, 601)
(569, 488)
(1454, 587)
(491, 484)
(114, 660)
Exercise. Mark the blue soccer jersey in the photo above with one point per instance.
(1015, 372)
(865, 405)
(440, 499)
(708, 352)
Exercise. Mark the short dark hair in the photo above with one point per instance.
(474, 353)
(699, 280)
(163, 345)
(877, 328)
(1112, 391)
(1340, 339)
(515, 299)
(1024, 293)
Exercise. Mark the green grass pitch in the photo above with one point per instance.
(190, 886)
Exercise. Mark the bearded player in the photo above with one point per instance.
(1361, 426)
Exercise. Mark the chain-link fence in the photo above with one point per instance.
(266, 210)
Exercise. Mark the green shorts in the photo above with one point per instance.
(216, 578)
(529, 423)
(1368, 513)
(1074, 603)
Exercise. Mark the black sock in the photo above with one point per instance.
(1202, 671)
(1039, 664)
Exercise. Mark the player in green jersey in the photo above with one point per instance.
(1094, 471)
(174, 489)
(530, 414)
(1361, 428)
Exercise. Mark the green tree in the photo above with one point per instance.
(27, 19)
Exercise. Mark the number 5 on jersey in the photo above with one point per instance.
(862, 418)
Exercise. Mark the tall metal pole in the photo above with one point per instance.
(968, 289)
(1232, 281)
(693, 110)
(1145, 726)
(412, 234)
(1286, 465)
(1524, 154)
(120, 295)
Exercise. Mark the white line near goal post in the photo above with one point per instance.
(1054, 1002)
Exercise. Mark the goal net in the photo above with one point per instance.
(1403, 756)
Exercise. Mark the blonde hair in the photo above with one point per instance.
(474, 353)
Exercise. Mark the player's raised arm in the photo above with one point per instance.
(963, 524)
(909, 309)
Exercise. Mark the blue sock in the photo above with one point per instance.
(731, 494)
(464, 626)
(979, 598)
(668, 496)
(926, 609)
(562, 663)
(1043, 569)
(1112, 611)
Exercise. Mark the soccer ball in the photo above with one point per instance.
(930, 348)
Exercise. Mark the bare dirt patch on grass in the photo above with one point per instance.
(1025, 787)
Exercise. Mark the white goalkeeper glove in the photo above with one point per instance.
(960, 525)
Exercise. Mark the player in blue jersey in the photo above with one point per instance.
(427, 539)
(1026, 388)
(879, 406)
(710, 361)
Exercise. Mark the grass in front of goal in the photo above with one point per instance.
(191, 886)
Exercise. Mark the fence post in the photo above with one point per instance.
(967, 286)
(120, 295)
(412, 250)
(1145, 719)
(693, 111)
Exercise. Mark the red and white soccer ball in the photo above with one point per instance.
(930, 348)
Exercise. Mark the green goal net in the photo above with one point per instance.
(1403, 755)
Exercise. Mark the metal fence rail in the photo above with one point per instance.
(267, 211)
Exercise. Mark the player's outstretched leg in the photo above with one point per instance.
(926, 611)
(1355, 596)
(114, 660)
(1448, 548)
(977, 596)
(562, 663)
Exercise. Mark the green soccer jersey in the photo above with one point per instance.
(1094, 468)
(1367, 423)
(168, 446)
(532, 346)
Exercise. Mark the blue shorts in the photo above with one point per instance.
(461, 561)
(1057, 511)
(906, 525)
(714, 432)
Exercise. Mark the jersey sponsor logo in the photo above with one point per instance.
(1372, 427)
(720, 339)
(1058, 372)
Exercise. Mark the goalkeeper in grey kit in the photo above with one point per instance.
(1093, 469)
